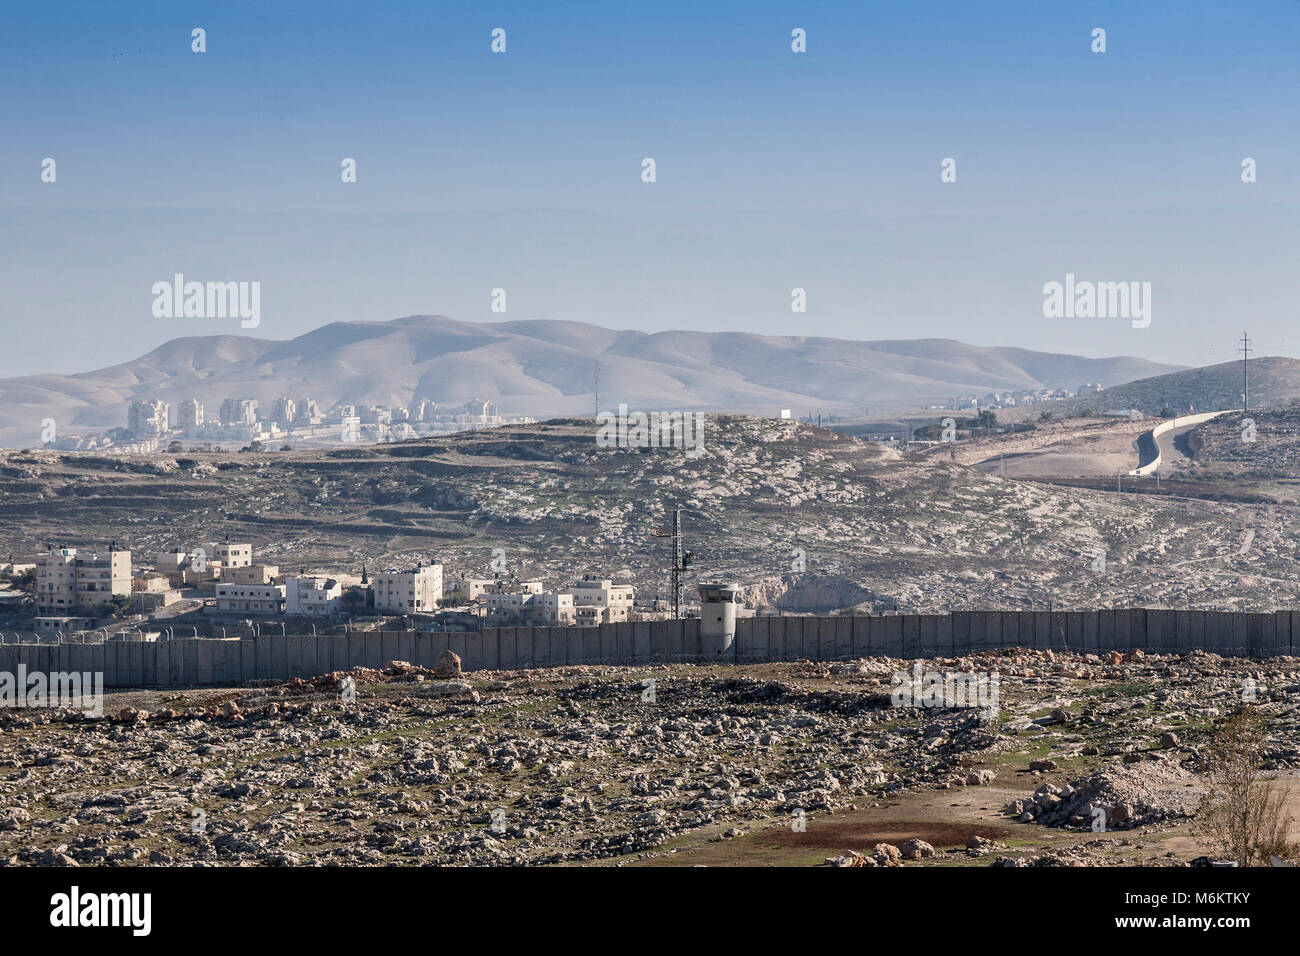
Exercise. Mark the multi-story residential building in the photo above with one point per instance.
(70, 581)
(308, 412)
(230, 555)
(190, 414)
(598, 600)
(239, 411)
(284, 411)
(311, 596)
(511, 605)
(250, 598)
(421, 409)
(100, 576)
(147, 419)
(552, 608)
(530, 605)
(56, 580)
(408, 592)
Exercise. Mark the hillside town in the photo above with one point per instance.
(1020, 397)
(154, 425)
(216, 588)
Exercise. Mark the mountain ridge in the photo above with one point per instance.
(545, 368)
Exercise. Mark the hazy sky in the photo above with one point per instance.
(775, 170)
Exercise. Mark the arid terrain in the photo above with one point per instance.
(791, 764)
(803, 518)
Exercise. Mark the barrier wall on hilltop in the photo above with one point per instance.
(1154, 434)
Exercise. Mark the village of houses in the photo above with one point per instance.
(220, 589)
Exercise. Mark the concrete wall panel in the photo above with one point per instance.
(843, 638)
(912, 637)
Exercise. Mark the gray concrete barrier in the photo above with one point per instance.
(214, 662)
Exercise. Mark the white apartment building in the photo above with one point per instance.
(511, 605)
(231, 555)
(552, 608)
(284, 411)
(308, 413)
(598, 600)
(530, 605)
(312, 597)
(190, 414)
(408, 592)
(239, 411)
(68, 581)
(250, 598)
(147, 419)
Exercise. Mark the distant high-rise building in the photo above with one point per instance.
(190, 413)
(420, 410)
(307, 413)
(239, 411)
(284, 410)
(147, 419)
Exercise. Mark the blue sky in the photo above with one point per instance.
(522, 170)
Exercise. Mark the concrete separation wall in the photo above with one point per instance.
(1151, 440)
(214, 662)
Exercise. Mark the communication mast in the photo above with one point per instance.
(682, 560)
(1245, 351)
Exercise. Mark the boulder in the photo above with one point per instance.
(915, 850)
(447, 667)
(886, 854)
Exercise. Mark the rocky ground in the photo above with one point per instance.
(780, 763)
(804, 519)
(1256, 446)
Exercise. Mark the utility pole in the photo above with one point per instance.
(1245, 383)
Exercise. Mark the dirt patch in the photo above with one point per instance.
(852, 835)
